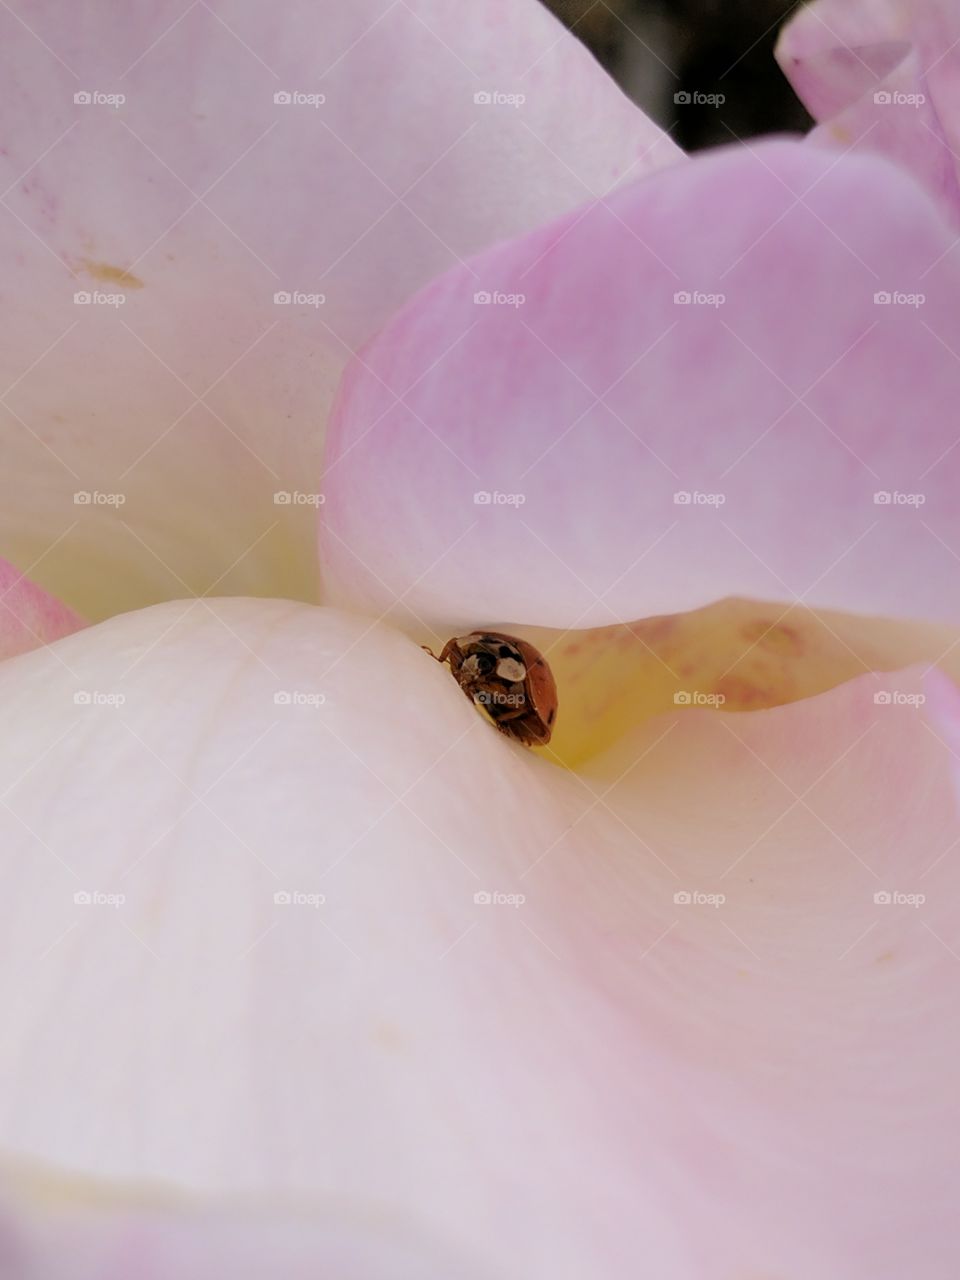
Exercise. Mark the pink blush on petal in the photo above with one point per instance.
(29, 617)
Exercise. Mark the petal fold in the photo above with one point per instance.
(637, 416)
(881, 75)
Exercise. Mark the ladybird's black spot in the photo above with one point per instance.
(485, 663)
(507, 652)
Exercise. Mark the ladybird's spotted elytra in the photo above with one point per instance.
(509, 679)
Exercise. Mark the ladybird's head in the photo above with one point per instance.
(491, 655)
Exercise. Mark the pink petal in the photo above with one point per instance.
(589, 411)
(831, 962)
(185, 408)
(944, 698)
(882, 76)
(28, 615)
(600, 1080)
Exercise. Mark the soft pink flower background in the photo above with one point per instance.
(706, 1027)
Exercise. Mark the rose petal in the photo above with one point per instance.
(883, 77)
(177, 414)
(736, 655)
(28, 616)
(78, 1230)
(944, 697)
(559, 1086)
(563, 461)
(799, 1004)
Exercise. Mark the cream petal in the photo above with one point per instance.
(584, 1075)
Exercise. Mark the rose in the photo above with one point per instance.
(403, 1077)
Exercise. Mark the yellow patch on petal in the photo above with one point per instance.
(735, 655)
(109, 274)
(48, 1187)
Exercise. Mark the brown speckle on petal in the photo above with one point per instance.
(109, 274)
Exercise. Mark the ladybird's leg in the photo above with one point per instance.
(521, 706)
(521, 731)
(514, 714)
(444, 652)
(537, 735)
(447, 649)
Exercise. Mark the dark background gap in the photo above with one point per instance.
(657, 48)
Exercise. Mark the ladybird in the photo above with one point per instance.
(509, 679)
